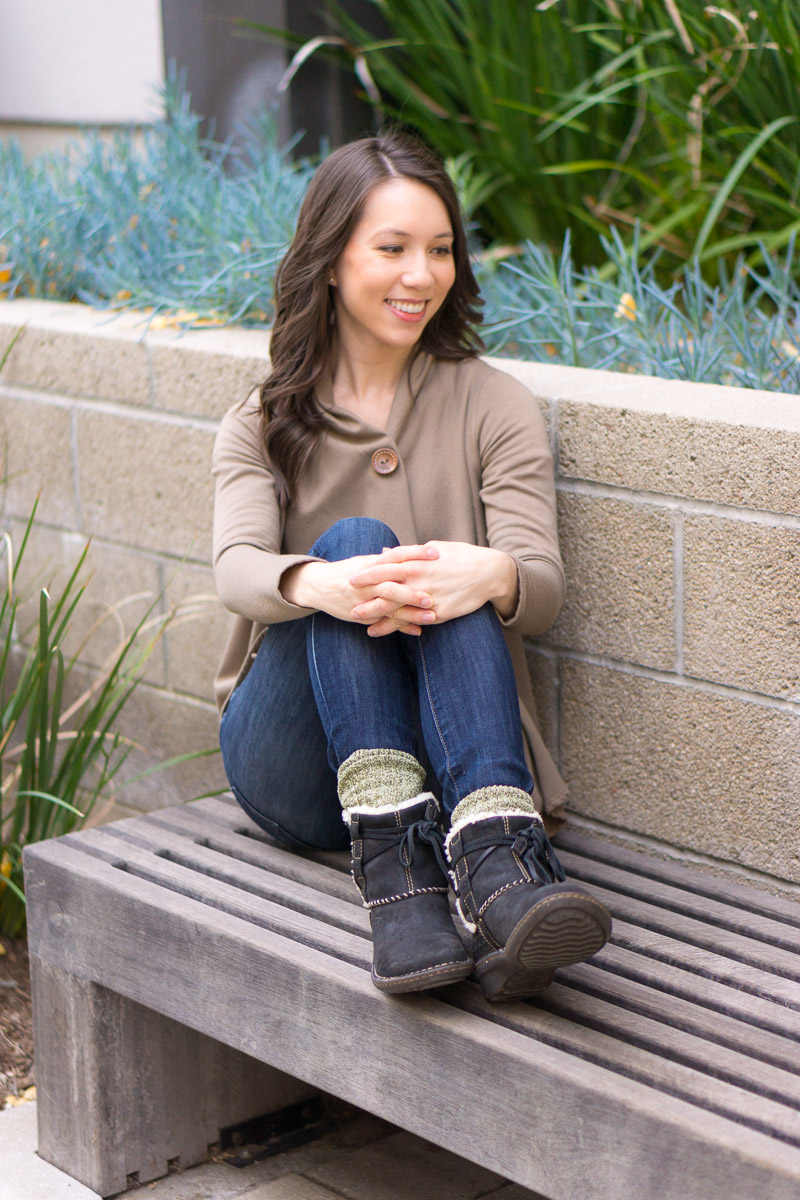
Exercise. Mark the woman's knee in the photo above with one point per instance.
(354, 535)
(317, 827)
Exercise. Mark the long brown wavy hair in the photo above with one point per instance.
(303, 329)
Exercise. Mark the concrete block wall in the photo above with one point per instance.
(669, 687)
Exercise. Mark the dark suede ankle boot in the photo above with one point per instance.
(512, 893)
(400, 870)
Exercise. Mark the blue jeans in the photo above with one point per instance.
(320, 688)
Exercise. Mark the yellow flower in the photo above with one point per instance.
(5, 274)
(626, 307)
(122, 294)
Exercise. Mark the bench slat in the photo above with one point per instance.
(766, 971)
(781, 1083)
(300, 893)
(225, 811)
(175, 880)
(256, 852)
(750, 899)
(552, 1024)
(704, 989)
(717, 913)
(320, 1018)
(689, 1016)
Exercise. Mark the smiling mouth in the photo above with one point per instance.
(408, 306)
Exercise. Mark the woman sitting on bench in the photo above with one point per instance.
(385, 532)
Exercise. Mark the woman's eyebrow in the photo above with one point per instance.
(404, 233)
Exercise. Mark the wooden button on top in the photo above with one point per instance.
(385, 460)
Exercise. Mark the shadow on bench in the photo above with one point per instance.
(181, 963)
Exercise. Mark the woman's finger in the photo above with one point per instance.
(374, 610)
(398, 593)
(387, 625)
(405, 553)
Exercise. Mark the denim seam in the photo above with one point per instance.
(316, 671)
(442, 741)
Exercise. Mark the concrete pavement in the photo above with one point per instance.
(364, 1159)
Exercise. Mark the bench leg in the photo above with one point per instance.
(124, 1093)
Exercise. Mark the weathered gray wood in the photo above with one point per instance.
(672, 899)
(192, 824)
(124, 1091)
(177, 880)
(552, 1020)
(765, 971)
(415, 1061)
(715, 1027)
(781, 1083)
(225, 811)
(723, 996)
(750, 899)
(630, 1060)
(204, 861)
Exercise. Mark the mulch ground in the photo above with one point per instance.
(16, 1027)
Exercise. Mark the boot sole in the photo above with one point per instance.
(428, 977)
(564, 927)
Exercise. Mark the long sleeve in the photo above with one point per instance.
(518, 495)
(248, 524)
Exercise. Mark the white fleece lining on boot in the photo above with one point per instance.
(498, 800)
(372, 809)
(473, 820)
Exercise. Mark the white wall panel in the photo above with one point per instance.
(74, 61)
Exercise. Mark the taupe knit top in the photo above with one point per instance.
(473, 464)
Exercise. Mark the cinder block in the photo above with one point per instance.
(14, 314)
(120, 587)
(704, 772)
(618, 560)
(196, 636)
(36, 459)
(206, 371)
(81, 351)
(742, 605)
(686, 454)
(163, 726)
(146, 482)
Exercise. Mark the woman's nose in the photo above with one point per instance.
(417, 271)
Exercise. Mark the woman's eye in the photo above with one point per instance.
(391, 249)
(443, 251)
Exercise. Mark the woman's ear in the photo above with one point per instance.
(332, 280)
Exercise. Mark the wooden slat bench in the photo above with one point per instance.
(179, 959)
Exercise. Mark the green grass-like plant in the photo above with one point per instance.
(60, 746)
(583, 114)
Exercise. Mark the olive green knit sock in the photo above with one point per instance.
(497, 801)
(379, 779)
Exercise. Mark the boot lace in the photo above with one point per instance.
(425, 831)
(533, 848)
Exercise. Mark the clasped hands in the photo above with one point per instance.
(406, 588)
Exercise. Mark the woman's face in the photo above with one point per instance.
(395, 271)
